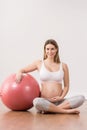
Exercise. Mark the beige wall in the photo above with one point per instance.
(26, 24)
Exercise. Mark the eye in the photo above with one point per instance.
(52, 48)
(47, 48)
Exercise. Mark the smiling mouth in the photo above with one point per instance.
(50, 54)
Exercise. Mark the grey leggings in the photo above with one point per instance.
(43, 104)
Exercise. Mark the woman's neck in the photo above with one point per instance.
(50, 60)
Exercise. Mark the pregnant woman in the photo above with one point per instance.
(54, 77)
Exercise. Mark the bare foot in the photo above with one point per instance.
(68, 111)
(73, 111)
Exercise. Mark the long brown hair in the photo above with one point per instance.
(53, 42)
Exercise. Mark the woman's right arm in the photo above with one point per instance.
(31, 67)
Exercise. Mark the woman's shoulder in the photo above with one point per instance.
(38, 61)
(64, 65)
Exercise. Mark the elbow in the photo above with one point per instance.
(66, 87)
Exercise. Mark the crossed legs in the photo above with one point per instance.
(66, 106)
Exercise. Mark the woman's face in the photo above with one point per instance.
(50, 51)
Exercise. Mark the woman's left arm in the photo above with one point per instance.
(66, 81)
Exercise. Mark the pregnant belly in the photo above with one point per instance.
(50, 90)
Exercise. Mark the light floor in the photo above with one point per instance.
(30, 120)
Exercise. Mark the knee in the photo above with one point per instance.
(76, 101)
(41, 103)
(36, 102)
(81, 98)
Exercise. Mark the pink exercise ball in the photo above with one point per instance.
(19, 96)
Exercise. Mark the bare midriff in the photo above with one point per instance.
(51, 89)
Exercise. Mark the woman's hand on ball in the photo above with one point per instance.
(18, 77)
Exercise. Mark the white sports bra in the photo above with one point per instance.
(46, 75)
